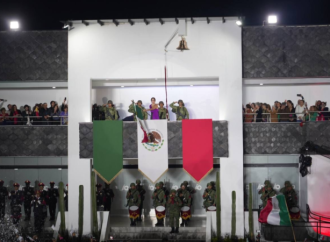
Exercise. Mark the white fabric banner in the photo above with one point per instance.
(152, 148)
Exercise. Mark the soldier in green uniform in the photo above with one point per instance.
(283, 189)
(209, 196)
(162, 111)
(159, 199)
(141, 192)
(267, 192)
(174, 204)
(109, 111)
(290, 195)
(161, 185)
(180, 111)
(108, 195)
(131, 109)
(185, 197)
(133, 199)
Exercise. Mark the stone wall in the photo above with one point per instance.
(283, 138)
(34, 141)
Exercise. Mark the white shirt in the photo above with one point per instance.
(300, 112)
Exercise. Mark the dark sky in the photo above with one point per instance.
(46, 14)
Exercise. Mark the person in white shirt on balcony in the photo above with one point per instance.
(300, 110)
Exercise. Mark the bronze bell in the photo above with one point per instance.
(183, 45)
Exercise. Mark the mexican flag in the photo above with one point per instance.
(276, 212)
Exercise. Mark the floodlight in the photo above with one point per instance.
(239, 22)
(272, 19)
(14, 25)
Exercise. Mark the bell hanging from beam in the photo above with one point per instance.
(183, 45)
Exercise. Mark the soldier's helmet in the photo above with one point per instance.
(180, 101)
(52, 183)
(161, 183)
(138, 181)
(98, 185)
(41, 184)
(182, 184)
(16, 184)
(267, 182)
(67, 185)
(110, 102)
(287, 183)
(27, 182)
(173, 191)
(2, 182)
(209, 184)
(185, 182)
(157, 185)
(132, 184)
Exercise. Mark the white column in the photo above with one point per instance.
(79, 100)
(230, 97)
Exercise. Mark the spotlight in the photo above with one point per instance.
(191, 85)
(261, 84)
(59, 169)
(272, 19)
(54, 87)
(305, 162)
(14, 25)
(239, 22)
(16, 169)
(122, 86)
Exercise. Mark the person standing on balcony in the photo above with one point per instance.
(36, 113)
(258, 111)
(324, 111)
(3, 117)
(291, 109)
(109, 111)
(52, 105)
(26, 113)
(180, 111)
(16, 114)
(273, 115)
(285, 110)
(153, 108)
(64, 115)
(44, 113)
(9, 106)
(300, 110)
(312, 114)
(55, 114)
(248, 116)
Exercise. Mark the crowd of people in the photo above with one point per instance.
(40, 114)
(157, 111)
(285, 112)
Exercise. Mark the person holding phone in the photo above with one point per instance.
(300, 110)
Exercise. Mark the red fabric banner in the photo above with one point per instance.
(197, 147)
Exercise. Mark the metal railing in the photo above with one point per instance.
(287, 117)
(33, 120)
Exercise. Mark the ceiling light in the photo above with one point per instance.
(59, 169)
(16, 169)
(122, 86)
(239, 22)
(261, 84)
(14, 25)
(272, 19)
(191, 85)
(54, 87)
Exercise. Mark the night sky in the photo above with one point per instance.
(47, 14)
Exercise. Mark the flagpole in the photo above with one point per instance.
(294, 236)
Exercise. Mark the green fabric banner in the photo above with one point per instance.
(108, 149)
(139, 112)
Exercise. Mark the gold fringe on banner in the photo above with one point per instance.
(105, 180)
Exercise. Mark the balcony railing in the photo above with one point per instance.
(33, 120)
(287, 117)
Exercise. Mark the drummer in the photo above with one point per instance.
(133, 202)
(290, 195)
(185, 197)
(209, 197)
(159, 200)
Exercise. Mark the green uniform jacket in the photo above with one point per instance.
(110, 113)
(132, 110)
(159, 198)
(185, 198)
(162, 113)
(209, 197)
(181, 113)
(291, 198)
(174, 204)
(133, 198)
